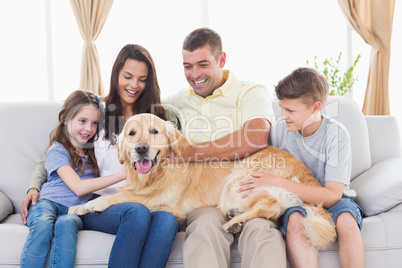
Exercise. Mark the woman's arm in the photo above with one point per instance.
(81, 187)
(38, 178)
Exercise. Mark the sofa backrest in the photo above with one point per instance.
(25, 128)
(347, 112)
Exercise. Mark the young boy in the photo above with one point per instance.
(323, 145)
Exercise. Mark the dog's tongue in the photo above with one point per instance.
(143, 166)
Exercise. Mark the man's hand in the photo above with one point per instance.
(31, 197)
(173, 159)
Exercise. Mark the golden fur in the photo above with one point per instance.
(182, 187)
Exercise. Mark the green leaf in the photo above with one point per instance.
(340, 82)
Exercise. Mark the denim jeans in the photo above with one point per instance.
(50, 227)
(143, 239)
(346, 204)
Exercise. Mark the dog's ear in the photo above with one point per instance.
(120, 147)
(177, 142)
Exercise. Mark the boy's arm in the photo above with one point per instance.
(328, 195)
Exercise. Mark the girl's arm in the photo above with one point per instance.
(328, 195)
(81, 187)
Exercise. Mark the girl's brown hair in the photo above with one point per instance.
(72, 105)
(148, 102)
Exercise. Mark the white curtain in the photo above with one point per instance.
(91, 15)
(372, 20)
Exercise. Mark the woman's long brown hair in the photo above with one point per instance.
(148, 102)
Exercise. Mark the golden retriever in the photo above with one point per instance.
(179, 188)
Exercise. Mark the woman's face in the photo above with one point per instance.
(132, 80)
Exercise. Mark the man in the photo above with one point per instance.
(227, 119)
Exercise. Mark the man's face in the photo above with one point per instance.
(203, 72)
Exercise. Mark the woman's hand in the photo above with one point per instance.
(31, 197)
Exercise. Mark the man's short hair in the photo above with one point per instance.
(305, 83)
(201, 37)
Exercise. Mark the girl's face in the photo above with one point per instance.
(83, 126)
(132, 80)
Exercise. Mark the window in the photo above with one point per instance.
(264, 41)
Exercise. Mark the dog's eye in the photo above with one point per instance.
(131, 133)
(154, 131)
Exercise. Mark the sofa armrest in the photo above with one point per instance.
(6, 208)
(379, 188)
(385, 138)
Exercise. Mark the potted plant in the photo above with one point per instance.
(340, 82)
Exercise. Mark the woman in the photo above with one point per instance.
(143, 239)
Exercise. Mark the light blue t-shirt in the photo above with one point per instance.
(54, 188)
(327, 152)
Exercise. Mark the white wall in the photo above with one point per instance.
(264, 41)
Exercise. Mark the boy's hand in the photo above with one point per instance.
(258, 180)
(31, 197)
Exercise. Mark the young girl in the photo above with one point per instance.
(71, 178)
(143, 238)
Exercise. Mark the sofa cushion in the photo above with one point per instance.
(379, 189)
(25, 135)
(385, 139)
(347, 112)
(6, 208)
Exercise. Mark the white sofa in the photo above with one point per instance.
(376, 173)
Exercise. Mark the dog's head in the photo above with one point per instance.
(146, 140)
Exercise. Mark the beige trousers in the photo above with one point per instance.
(208, 245)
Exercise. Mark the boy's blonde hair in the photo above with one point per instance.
(304, 83)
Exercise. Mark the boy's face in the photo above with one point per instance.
(298, 116)
(203, 72)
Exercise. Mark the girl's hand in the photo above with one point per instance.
(258, 180)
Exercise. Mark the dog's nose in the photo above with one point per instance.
(141, 148)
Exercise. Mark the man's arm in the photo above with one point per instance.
(241, 143)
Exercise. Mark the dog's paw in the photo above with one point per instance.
(96, 205)
(233, 228)
(78, 210)
(233, 213)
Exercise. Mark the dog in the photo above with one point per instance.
(146, 141)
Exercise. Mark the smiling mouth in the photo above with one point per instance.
(199, 83)
(144, 165)
(131, 93)
(84, 136)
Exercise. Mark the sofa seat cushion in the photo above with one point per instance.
(379, 189)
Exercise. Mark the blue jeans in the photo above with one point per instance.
(50, 227)
(346, 204)
(143, 239)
